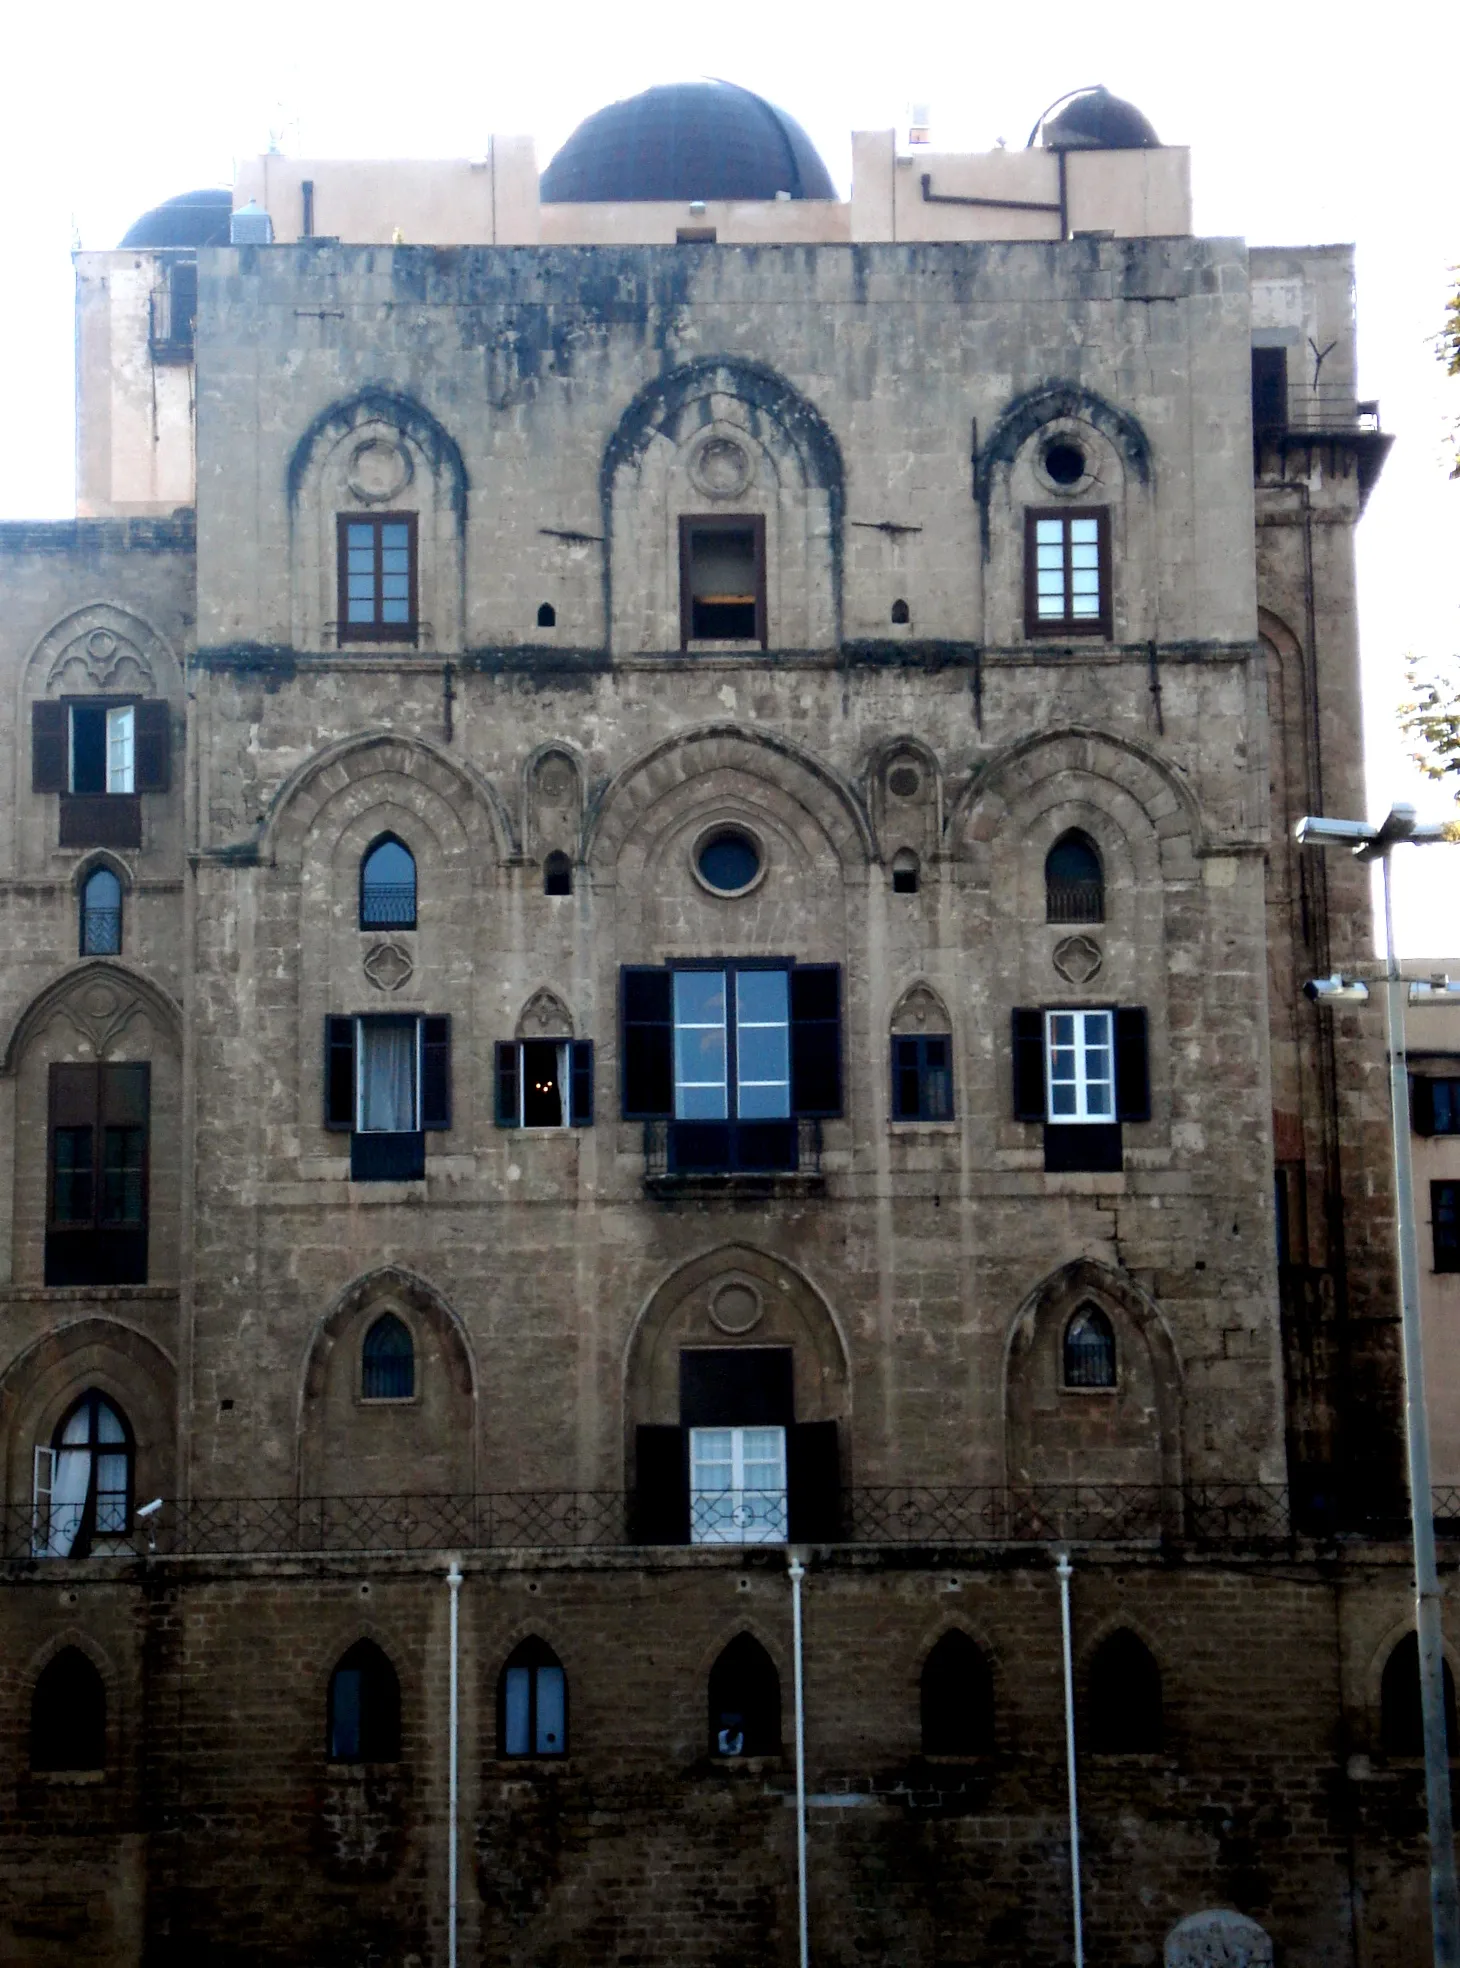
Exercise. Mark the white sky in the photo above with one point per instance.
(1306, 124)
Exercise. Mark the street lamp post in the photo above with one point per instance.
(1377, 844)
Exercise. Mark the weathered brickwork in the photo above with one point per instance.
(542, 419)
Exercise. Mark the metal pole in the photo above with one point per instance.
(453, 1580)
(1444, 1897)
(1065, 1569)
(798, 1572)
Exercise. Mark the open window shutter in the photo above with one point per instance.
(509, 1068)
(906, 1079)
(1029, 1098)
(661, 1493)
(49, 724)
(436, 1073)
(339, 1072)
(647, 1036)
(1421, 1103)
(154, 745)
(816, 1039)
(581, 1067)
(1132, 1065)
(813, 1482)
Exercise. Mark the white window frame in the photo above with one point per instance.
(361, 1025)
(737, 1514)
(121, 748)
(1091, 1031)
(565, 1085)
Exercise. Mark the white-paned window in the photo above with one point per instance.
(1068, 573)
(701, 1085)
(737, 1479)
(1079, 1053)
(762, 1045)
(121, 749)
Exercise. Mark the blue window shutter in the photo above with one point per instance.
(581, 1068)
(1029, 1096)
(339, 1073)
(509, 1081)
(435, 1073)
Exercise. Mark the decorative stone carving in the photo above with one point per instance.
(100, 1008)
(920, 1010)
(721, 468)
(388, 965)
(1078, 959)
(102, 659)
(379, 470)
(735, 1308)
(1219, 1938)
(545, 1016)
(555, 779)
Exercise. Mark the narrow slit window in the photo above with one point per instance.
(68, 1715)
(377, 577)
(101, 914)
(388, 1361)
(557, 874)
(388, 886)
(722, 579)
(532, 1703)
(364, 1708)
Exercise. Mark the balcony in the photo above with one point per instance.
(1299, 416)
(732, 1157)
(172, 311)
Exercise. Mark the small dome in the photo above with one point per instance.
(193, 218)
(1097, 120)
(683, 141)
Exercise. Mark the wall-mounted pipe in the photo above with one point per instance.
(453, 1582)
(797, 1572)
(1064, 1569)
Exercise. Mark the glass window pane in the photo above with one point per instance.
(763, 1062)
(700, 1089)
(109, 1424)
(345, 1715)
(1049, 532)
(387, 1074)
(121, 724)
(121, 1197)
(1084, 531)
(360, 533)
(395, 611)
(516, 1740)
(73, 1175)
(395, 534)
(551, 1710)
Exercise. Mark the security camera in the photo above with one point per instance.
(150, 1509)
(1336, 990)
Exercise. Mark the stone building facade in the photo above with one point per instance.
(651, 917)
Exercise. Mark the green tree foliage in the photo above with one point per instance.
(1447, 348)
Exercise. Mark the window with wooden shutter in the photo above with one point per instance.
(436, 1074)
(816, 1040)
(1028, 1048)
(1132, 1065)
(49, 747)
(509, 1083)
(581, 1068)
(153, 740)
(648, 1043)
(813, 1482)
(339, 1073)
(96, 1230)
(661, 1485)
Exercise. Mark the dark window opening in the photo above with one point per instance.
(83, 1481)
(922, 1077)
(901, 613)
(532, 1703)
(545, 1083)
(1434, 1104)
(96, 1231)
(364, 1708)
(1074, 881)
(387, 1080)
(722, 579)
(68, 1714)
(388, 1361)
(904, 872)
(695, 236)
(745, 1701)
(547, 616)
(1125, 1698)
(101, 914)
(1067, 572)
(956, 1699)
(1401, 1713)
(1445, 1224)
(1065, 462)
(1088, 1356)
(174, 313)
(377, 577)
(388, 886)
(1269, 390)
(557, 874)
(729, 861)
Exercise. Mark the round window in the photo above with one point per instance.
(728, 861)
(1065, 462)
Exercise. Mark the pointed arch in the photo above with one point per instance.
(100, 996)
(478, 806)
(1026, 414)
(1124, 1696)
(102, 857)
(363, 1707)
(68, 1713)
(376, 404)
(921, 1007)
(956, 1697)
(744, 1693)
(545, 1015)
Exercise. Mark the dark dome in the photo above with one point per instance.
(193, 218)
(686, 140)
(1097, 120)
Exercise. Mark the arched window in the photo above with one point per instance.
(388, 1361)
(532, 1703)
(904, 872)
(68, 1715)
(557, 874)
(1401, 1718)
(547, 616)
(83, 1482)
(101, 914)
(1089, 1349)
(956, 1699)
(364, 1708)
(1074, 882)
(388, 886)
(745, 1701)
(1125, 1697)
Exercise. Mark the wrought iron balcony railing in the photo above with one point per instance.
(730, 1151)
(1074, 901)
(1306, 407)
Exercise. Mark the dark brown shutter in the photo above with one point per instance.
(49, 725)
(661, 1486)
(736, 1387)
(580, 1055)
(153, 737)
(436, 1074)
(647, 1035)
(1083, 1148)
(1421, 1103)
(509, 1068)
(816, 1040)
(813, 1482)
(100, 820)
(1029, 1096)
(339, 1072)
(1132, 1065)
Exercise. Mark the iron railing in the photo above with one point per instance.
(1321, 407)
(101, 932)
(172, 309)
(1074, 901)
(388, 905)
(742, 1152)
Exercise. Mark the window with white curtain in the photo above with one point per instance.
(82, 1480)
(737, 1485)
(387, 1081)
